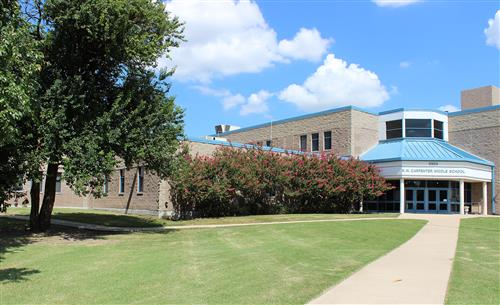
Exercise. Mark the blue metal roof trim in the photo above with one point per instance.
(474, 110)
(241, 145)
(419, 149)
(406, 109)
(297, 118)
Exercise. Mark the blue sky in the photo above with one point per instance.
(250, 62)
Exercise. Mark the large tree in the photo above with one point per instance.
(100, 97)
(20, 64)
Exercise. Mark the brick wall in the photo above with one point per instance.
(131, 199)
(480, 97)
(479, 134)
(353, 132)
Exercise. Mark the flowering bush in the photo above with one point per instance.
(252, 181)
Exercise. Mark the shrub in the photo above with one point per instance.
(253, 181)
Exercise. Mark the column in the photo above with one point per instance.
(361, 206)
(485, 198)
(462, 197)
(402, 196)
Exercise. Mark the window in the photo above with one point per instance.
(122, 181)
(327, 137)
(438, 129)
(315, 142)
(418, 128)
(269, 143)
(58, 183)
(303, 142)
(105, 186)
(140, 179)
(394, 129)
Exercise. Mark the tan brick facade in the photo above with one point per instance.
(480, 97)
(479, 133)
(353, 132)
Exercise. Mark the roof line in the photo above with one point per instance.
(474, 110)
(241, 145)
(408, 109)
(297, 118)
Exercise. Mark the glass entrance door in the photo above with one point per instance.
(433, 200)
(415, 200)
(438, 200)
(444, 203)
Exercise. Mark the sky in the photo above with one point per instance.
(250, 62)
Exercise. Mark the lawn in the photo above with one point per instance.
(282, 263)
(475, 278)
(109, 218)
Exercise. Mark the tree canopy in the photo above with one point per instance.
(100, 97)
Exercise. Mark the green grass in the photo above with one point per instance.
(278, 264)
(475, 278)
(109, 218)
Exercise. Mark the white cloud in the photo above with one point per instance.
(336, 83)
(256, 103)
(449, 108)
(405, 64)
(229, 37)
(232, 101)
(307, 44)
(492, 32)
(394, 3)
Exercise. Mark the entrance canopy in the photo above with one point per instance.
(425, 158)
(433, 175)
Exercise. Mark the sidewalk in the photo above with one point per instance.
(94, 227)
(417, 272)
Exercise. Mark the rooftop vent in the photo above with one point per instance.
(224, 128)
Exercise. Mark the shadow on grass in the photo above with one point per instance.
(16, 274)
(110, 220)
(14, 235)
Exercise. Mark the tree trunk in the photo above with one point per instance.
(49, 197)
(35, 205)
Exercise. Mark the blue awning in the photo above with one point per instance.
(419, 149)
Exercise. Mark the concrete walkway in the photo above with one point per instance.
(417, 272)
(94, 227)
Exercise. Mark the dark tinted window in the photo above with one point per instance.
(418, 123)
(58, 183)
(315, 141)
(269, 143)
(303, 142)
(438, 129)
(394, 129)
(122, 180)
(418, 128)
(328, 140)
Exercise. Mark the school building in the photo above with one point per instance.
(438, 162)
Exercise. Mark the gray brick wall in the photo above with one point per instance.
(479, 133)
(353, 132)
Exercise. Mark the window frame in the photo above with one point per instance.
(121, 181)
(301, 141)
(313, 135)
(105, 185)
(409, 130)
(388, 130)
(324, 140)
(59, 183)
(140, 179)
(439, 130)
